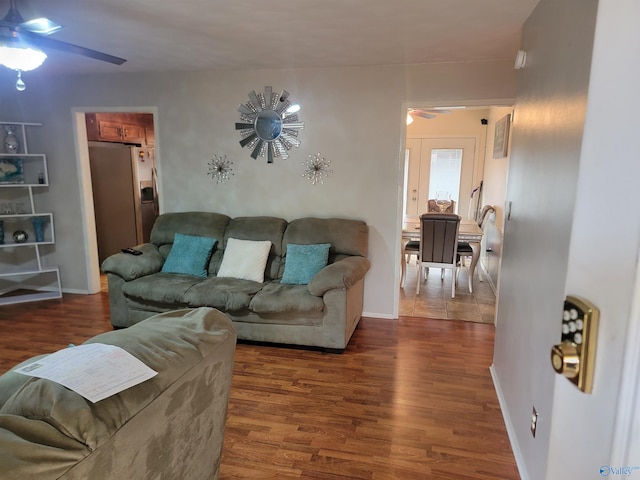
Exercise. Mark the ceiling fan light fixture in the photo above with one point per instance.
(18, 55)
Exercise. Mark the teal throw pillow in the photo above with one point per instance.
(189, 255)
(303, 262)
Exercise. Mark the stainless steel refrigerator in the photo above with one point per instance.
(125, 195)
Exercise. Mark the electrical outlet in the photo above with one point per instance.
(534, 422)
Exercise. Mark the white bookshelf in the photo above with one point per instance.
(24, 274)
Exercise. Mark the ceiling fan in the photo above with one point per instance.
(427, 112)
(22, 43)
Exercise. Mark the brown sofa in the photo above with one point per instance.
(169, 427)
(321, 313)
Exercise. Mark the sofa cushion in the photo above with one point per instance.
(189, 255)
(277, 297)
(204, 224)
(302, 262)
(261, 228)
(227, 294)
(245, 259)
(166, 288)
(349, 237)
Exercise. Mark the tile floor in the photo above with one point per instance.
(434, 300)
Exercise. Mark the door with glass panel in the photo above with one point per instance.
(438, 165)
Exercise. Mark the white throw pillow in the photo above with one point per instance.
(245, 259)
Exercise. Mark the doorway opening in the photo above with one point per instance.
(123, 178)
(125, 142)
(449, 149)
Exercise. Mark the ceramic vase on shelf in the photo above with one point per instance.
(11, 144)
(38, 227)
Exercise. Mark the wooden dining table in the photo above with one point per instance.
(469, 232)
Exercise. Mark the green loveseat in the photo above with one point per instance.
(168, 427)
(321, 313)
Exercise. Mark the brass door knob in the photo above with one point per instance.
(566, 359)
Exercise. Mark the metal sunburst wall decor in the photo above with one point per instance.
(316, 168)
(269, 124)
(220, 168)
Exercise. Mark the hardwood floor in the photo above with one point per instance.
(408, 399)
(33, 328)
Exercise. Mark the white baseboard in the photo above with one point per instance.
(510, 430)
(487, 278)
(379, 315)
(75, 290)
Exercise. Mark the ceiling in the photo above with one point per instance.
(247, 34)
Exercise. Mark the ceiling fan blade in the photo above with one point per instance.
(432, 110)
(14, 21)
(41, 26)
(422, 114)
(46, 43)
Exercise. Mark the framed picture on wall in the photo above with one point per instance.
(501, 137)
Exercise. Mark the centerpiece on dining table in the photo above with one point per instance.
(443, 201)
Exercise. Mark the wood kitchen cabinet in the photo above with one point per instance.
(119, 127)
(150, 134)
(120, 132)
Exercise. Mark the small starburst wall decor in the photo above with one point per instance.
(220, 168)
(316, 168)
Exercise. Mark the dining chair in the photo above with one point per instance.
(411, 248)
(484, 214)
(432, 207)
(464, 249)
(439, 245)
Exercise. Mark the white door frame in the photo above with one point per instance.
(402, 118)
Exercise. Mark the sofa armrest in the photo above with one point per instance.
(130, 267)
(341, 274)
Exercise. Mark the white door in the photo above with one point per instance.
(438, 164)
